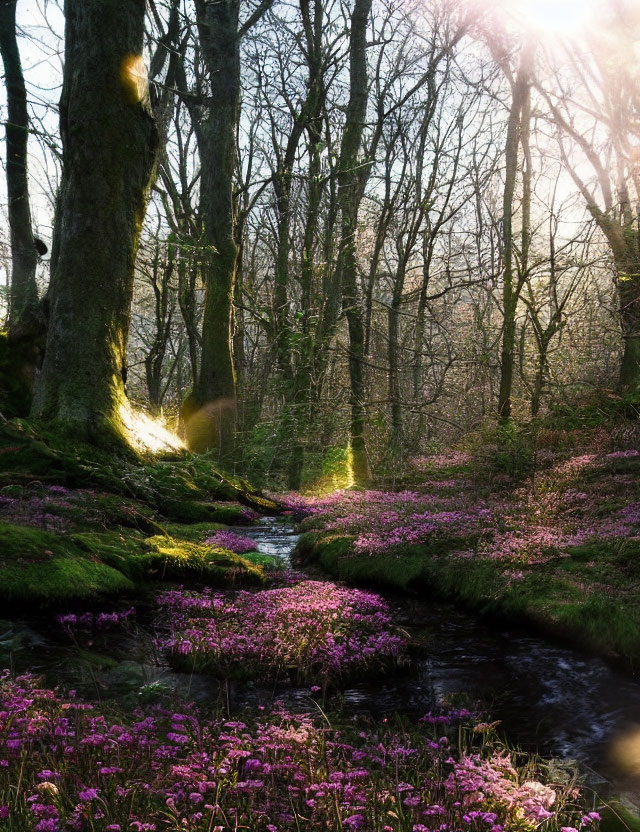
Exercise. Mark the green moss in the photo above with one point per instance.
(187, 489)
(192, 512)
(269, 563)
(229, 514)
(195, 532)
(616, 817)
(43, 568)
(127, 554)
(164, 557)
(180, 558)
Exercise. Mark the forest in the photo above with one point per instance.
(320, 415)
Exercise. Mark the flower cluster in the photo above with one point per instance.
(240, 544)
(65, 766)
(70, 622)
(312, 630)
(520, 527)
(399, 517)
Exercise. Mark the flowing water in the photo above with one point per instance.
(550, 698)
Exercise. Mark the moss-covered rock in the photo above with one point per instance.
(181, 558)
(200, 512)
(40, 567)
(79, 521)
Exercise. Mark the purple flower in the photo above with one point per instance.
(46, 825)
(240, 544)
(88, 794)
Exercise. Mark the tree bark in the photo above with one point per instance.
(109, 141)
(23, 292)
(517, 128)
(628, 282)
(349, 199)
(210, 413)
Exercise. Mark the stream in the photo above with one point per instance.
(551, 699)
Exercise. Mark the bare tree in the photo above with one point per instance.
(23, 294)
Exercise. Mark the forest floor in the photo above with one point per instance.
(91, 544)
(79, 524)
(559, 549)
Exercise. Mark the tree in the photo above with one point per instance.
(349, 196)
(23, 294)
(109, 140)
(514, 271)
(210, 412)
(597, 129)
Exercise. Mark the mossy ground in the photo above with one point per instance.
(588, 593)
(78, 524)
(47, 568)
(182, 488)
(553, 598)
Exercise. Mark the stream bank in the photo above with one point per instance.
(550, 699)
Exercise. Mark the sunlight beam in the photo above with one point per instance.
(146, 434)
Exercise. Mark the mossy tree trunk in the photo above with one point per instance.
(109, 141)
(23, 293)
(349, 197)
(210, 411)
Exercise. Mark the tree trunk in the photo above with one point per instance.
(187, 279)
(210, 412)
(23, 292)
(393, 347)
(517, 131)
(541, 374)
(349, 198)
(109, 141)
(628, 280)
(154, 361)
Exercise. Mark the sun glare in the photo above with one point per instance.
(133, 74)
(340, 479)
(551, 16)
(148, 435)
